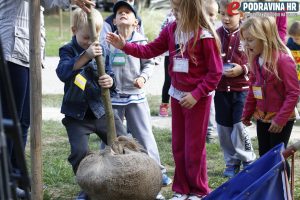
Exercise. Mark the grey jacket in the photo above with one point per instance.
(14, 28)
(133, 68)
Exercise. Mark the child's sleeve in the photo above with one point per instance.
(213, 62)
(147, 67)
(66, 63)
(250, 103)
(150, 50)
(288, 75)
(109, 71)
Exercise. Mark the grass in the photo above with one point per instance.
(59, 178)
(56, 40)
(57, 174)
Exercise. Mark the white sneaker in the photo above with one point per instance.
(177, 196)
(159, 196)
(195, 197)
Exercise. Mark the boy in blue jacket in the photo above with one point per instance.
(82, 104)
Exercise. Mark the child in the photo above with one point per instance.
(195, 69)
(212, 9)
(294, 44)
(131, 75)
(82, 104)
(110, 26)
(274, 85)
(231, 94)
(165, 97)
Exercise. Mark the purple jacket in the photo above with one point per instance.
(279, 96)
(202, 77)
(233, 53)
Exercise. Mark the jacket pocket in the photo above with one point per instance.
(21, 46)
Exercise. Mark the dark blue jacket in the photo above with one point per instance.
(76, 101)
(292, 45)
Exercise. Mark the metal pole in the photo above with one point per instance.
(35, 99)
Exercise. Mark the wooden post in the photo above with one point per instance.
(111, 129)
(61, 35)
(35, 99)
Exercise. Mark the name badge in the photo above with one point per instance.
(257, 92)
(181, 65)
(177, 94)
(80, 81)
(119, 59)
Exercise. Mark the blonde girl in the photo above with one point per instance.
(195, 69)
(274, 85)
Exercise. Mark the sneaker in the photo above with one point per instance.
(160, 197)
(166, 180)
(177, 196)
(231, 171)
(163, 110)
(246, 164)
(195, 197)
(82, 196)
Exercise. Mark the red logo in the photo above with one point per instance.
(232, 8)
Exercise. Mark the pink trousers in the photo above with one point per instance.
(189, 127)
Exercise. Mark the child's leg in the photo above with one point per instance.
(267, 140)
(240, 137)
(229, 152)
(180, 183)
(139, 123)
(223, 105)
(189, 128)
(78, 134)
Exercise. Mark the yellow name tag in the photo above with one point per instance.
(257, 92)
(80, 81)
(296, 55)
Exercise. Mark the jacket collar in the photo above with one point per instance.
(74, 42)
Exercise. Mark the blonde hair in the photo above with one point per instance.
(193, 16)
(265, 30)
(80, 21)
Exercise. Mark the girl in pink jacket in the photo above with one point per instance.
(274, 85)
(195, 69)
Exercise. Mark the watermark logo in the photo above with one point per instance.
(233, 8)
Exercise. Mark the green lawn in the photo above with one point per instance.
(57, 173)
(55, 40)
(58, 176)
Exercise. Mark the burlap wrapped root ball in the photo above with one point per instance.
(120, 172)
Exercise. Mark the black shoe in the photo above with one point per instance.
(82, 196)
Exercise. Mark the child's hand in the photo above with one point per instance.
(187, 101)
(139, 82)
(84, 4)
(116, 40)
(246, 122)
(105, 81)
(94, 50)
(234, 72)
(275, 128)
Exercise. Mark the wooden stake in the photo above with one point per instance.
(111, 129)
(35, 99)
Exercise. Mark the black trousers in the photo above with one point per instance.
(267, 140)
(79, 132)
